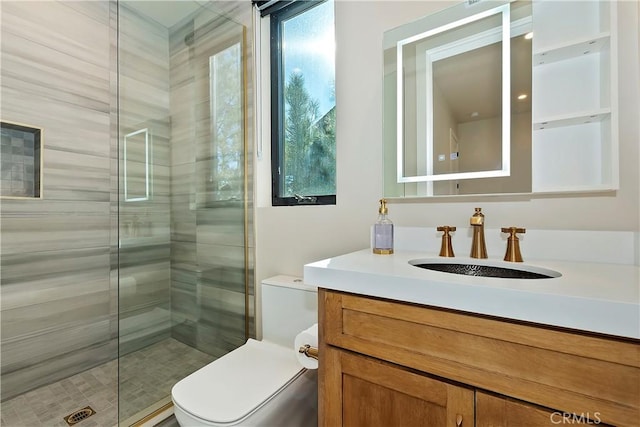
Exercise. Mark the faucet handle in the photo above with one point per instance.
(513, 244)
(477, 218)
(513, 230)
(446, 249)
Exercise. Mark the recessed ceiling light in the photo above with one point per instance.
(474, 114)
(523, 96)
(528, 36)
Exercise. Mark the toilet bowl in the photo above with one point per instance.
(261, 383)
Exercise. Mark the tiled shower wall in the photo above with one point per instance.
(57, 304)
(59, 295)
(144, 224)
(60, 264)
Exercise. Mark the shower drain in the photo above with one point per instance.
(77, 416)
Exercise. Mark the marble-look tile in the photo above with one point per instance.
(23, 352)
(54, 313)
(89, 182)
(183, 252)
(56, 299)
(36, 374)
(223, 278)
(98, 387)
(142, 329)
(54, 24)
(34, 233)
(207, 236)
(144, 226)
(97, 11)
(24, 73)
(220, 255)
(222, 225)
(182, 181)
(63, 308)
(208, 307)
(144, 73)
(183, 220)
(52, 275)
(75, 128)
(146, 297)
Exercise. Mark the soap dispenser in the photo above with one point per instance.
(383, 231)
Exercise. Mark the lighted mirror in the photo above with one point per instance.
(451, 110)
(136, 166)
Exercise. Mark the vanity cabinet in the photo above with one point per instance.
(386, 363)
(575, 121)
(495, 410)
(375, 393)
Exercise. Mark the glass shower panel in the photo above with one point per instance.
(225, 74)
(220, 207)
(182, 210)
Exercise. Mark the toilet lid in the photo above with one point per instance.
(238, 383)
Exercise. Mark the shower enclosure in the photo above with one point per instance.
(131, 266)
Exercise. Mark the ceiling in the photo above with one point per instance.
(470, 85)
(166, 13)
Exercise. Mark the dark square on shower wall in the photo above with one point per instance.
(20, 160)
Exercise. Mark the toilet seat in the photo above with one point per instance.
(237, 384)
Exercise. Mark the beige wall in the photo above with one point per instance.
(289, 237)
(472, 133)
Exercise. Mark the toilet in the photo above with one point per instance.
(261, 383)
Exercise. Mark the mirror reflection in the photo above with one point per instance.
(464, 129)
(136, 166)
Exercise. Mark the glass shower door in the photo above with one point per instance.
(183, 253)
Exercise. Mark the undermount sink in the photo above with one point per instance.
(485, 270)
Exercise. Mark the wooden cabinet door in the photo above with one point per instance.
(356, 390)
(500, 411)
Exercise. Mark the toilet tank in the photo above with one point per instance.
(289, 306)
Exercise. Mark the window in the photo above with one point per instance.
(303, 117)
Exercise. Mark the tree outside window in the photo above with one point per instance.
(303, 104)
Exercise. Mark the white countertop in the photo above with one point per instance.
(588, 296)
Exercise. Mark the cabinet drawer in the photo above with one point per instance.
(553, 368)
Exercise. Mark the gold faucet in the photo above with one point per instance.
(513, 244)
(446, 249)
(478, 246)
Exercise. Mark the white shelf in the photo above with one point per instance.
(578, 118)
(575, 189)
(574, 141)
(573, 158)
(572, 49)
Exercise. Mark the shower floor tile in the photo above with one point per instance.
(146, 376)
(48, 405)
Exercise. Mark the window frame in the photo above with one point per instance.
(277, 107)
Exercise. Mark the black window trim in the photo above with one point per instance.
(277, 90)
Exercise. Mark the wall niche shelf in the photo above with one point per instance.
(572, 49)
(21, 167)
(578, 118)
(575, 97)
